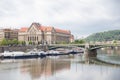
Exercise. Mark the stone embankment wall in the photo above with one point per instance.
(18, 48)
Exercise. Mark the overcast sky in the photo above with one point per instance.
(82, 17)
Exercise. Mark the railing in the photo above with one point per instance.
(105, 45)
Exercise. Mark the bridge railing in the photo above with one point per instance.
(105, 45)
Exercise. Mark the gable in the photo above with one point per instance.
(33, 28)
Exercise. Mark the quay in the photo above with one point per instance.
(39, 54)
(52, 50)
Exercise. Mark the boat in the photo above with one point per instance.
(22, 55)
(42, 54)
(10, 55)
(53, 53)
(76, 51)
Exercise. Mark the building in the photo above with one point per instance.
(37, 34)
(8, 34)
(72, 38)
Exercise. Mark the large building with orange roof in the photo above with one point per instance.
(38, 34)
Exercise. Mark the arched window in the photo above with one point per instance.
(37, 38)
(28, 38)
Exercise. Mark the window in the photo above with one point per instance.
(37, 38)
(28, 38)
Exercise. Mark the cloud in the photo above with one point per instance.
(82, 17)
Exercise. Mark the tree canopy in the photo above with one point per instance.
(79, 41)
(104, 36)
(14, 42)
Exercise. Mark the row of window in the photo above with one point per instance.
(33, 38)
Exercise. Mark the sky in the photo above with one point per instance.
(81, 17)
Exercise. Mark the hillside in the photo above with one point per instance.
(104, 36)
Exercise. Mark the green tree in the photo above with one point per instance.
(104, 36)
(10, 42)
(114, 42)
(23, 43)
(81, 41)
(30, 42)
(4, 42)
(20, 42)
(15, 41)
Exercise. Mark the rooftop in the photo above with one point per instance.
(46, 28)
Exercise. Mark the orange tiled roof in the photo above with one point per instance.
(62, 31)
(45, 28)
(49, 28)
(23, 29)
(42, 28)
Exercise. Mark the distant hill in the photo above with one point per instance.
(104, 36)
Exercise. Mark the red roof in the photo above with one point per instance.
(42, 28)
(62, 31)
(46, 28)
(49, 28)
(23, 29)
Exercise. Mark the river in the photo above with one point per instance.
(68, 67)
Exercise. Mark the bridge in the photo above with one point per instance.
(91, 51)
(83, 45)
(92, 46)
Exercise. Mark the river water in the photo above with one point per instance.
(62, 68)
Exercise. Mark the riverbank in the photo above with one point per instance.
(18, 48)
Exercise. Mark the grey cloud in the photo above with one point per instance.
(7, 7)
(113, 7)
(79, 16)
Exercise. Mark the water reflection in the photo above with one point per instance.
(110, 51)
(57, 68)
(111, 55)
(44, 67)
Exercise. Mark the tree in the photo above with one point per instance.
(23, 43)
(81, 41)
(4, 42)
(104, 36)
(10, 42)
(114, 42)
(30, 42)
(15, 41)
(20, 42)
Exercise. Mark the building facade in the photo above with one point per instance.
(37, 34)
(8, 34)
